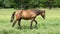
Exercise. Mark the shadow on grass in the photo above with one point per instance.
(24, 27)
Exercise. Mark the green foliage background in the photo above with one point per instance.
(28, 3)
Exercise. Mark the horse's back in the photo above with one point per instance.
(26, 14)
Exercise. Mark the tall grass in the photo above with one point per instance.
(51, 25)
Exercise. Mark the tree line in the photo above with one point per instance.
(25, 4)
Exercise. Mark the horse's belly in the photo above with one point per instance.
(26, 18)
(26, 15)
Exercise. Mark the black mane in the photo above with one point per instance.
(37, 11)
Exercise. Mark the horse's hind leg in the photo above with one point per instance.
(19, 23)
(14, 23)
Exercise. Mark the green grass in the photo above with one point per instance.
(51, 25)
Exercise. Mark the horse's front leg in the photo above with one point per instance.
(35, 23)
(31, 23)
(19, 23)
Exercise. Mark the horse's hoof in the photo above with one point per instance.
(12, 26)
(19, 28)
(11, 21)
(30, 27)
(35, 26)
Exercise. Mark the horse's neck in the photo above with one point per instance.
(37, 12)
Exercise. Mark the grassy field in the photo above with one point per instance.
(51, 25)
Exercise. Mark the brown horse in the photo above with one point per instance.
(27, 15)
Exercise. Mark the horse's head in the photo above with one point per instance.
(40, 12)
(43, 14)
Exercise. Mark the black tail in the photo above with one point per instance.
(12, 17)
